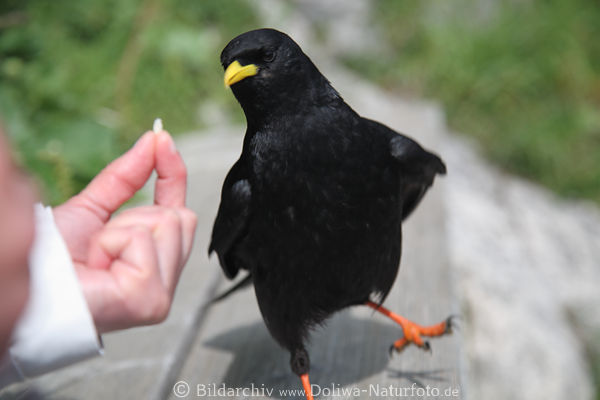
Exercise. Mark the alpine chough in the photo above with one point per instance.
(313, 207)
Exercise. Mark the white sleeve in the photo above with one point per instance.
(56, 328)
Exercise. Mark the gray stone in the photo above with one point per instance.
(526, 267)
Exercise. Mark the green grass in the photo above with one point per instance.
(522, 77)
(81, 80)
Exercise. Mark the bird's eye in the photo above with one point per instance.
(268, 56)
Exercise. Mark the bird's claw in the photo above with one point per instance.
(391, 350)
(395, 348)
(413, 332)
(444, 328)
(451, 323)
(427, 347)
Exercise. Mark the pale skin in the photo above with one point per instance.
(16, 235)
(128, 264)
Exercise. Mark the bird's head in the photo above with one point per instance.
(267, 70)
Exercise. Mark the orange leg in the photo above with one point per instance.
(306, 386)
(413, 332)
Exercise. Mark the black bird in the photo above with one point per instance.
(313, 207)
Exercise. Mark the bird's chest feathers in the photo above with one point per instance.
(315, 169)
(285, 162)
(269, 156)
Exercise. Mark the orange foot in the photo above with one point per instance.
(413, 332)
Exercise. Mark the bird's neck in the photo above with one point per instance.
(301, 98)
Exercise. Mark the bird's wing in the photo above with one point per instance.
(231, 219)
(418, 170)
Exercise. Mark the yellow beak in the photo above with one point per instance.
(235, 72)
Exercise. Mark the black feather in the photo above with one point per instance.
(246, 281)
(317, 216)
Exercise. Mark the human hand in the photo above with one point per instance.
(16, 235)
(129, 265)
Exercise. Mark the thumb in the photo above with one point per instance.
(120, 179)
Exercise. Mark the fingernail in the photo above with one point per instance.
(157, 126)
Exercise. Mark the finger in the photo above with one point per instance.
(120, 180)
(145, 214)
(168, 241)
(97, 256)
(188, 222)
(151, 215)
(146, 217)
(170, 188)
(167, 232)
(134, 245)
(136, 295)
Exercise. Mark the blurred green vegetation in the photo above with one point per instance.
(523, 77)
(81, 80)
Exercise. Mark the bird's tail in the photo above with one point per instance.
(247, 280)
(436, 164)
